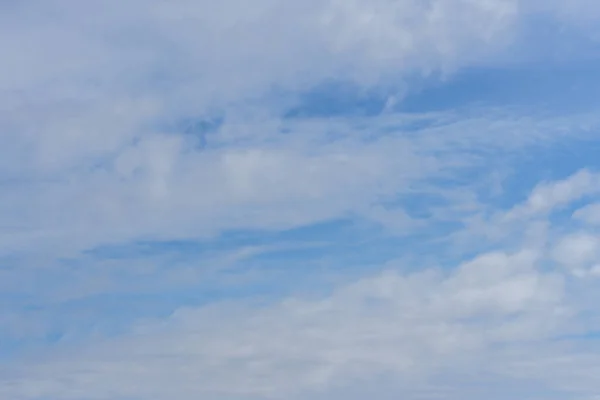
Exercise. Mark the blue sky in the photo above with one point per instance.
(304, 199)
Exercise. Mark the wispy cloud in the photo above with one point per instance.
(298, 199)
(503, 315)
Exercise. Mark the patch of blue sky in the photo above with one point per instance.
(260, 249)
(547, 164)
(338, 98)
(585, 337)
(503, 180)
(550, 87)
(518, 173)
(197, 130)
(110, 314)
(226, 241)
(150, 294)
(351, 241)
(294, 256)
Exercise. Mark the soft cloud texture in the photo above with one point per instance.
(489, 317)
(305, 199)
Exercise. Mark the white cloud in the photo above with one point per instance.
(412, 326)
(86, 160)
(578, 252)
(545, 200)
(157, 187)
(547, 197)
(89, 87)
(589, 214)
(227, 49)
(509, 317)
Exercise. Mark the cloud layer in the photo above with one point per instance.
(514, 316)
(302, 199)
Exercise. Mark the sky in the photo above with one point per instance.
(316, 199)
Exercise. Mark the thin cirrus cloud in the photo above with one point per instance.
(317, 199)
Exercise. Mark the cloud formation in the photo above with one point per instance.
(504, 316)
(238, 201)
